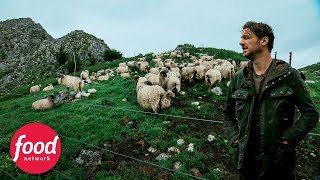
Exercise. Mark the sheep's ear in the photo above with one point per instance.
(136, 77)
(61, 76)
(163, 73)
(148, 83)
(50, 97)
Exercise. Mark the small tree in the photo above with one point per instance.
(70, 65)
(111, 54)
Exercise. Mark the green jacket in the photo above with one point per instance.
(284, 89)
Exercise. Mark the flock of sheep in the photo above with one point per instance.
(160, 83)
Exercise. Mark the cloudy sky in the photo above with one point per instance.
(144, 26)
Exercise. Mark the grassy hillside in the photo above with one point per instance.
(112, 121)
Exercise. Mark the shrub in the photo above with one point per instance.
(111, 54)
(62, 57)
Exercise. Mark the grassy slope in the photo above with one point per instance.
(107, 128)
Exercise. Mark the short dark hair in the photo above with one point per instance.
(261, 30)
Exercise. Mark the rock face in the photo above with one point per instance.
(29, 54)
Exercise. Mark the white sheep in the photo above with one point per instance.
(143, 66)
(243, 64)
(226, 69)
(35, 88)
(174, 85)
(71, 82)
(103, 78)
(84, 74)
(159, 79)
(122, 69)
(125, 75)
(201, 70)
(155, 70)
(47, 88)
(149, 96)
(165, 100)
(123, 64)
(212, 76)
(43, 104)
(131, 63)
(140, 82)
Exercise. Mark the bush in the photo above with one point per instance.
(111, 54)
(92, 61)
(62, 57)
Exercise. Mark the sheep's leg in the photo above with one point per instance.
(209, 88)
(159, 108)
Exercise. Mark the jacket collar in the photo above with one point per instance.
(279, 67)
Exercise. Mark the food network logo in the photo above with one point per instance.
(35, 148)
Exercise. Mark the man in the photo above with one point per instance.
(260, 108)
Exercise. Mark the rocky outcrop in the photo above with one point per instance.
(28, 53)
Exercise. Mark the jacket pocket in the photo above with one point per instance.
(282, 101)
(241, 98)
(281, 92)
(284, 157)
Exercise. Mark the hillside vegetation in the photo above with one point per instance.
(111, 121)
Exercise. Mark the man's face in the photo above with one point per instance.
(250, 44)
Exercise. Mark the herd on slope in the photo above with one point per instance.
(160, 83)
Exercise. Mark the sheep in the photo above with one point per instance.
(71, 82)
(140, 82)
(156, 60)
(43, 104)
(47, 88)
(35, 88)
(155, 70)
(84, 74)
(149, 96)
(157, 79)
(93, 76)
(131, 63)
(125, 75)
(186, 55)
(226, 70)
(243, 64)
(123, 64)
(142, 59)
(165, 100)
(103, 78)
(173, 54)
(122, 69)
(201, 70)
(188, 73)
(159, 64)
(143, 66)
(212, 76)
(174, 85)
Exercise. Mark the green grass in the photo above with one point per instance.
(104, 127)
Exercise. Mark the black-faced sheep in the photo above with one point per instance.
(43, 104)
(159, 79)
(149, 96)
(84, 74)
(174, 85)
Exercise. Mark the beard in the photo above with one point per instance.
(252, 54)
